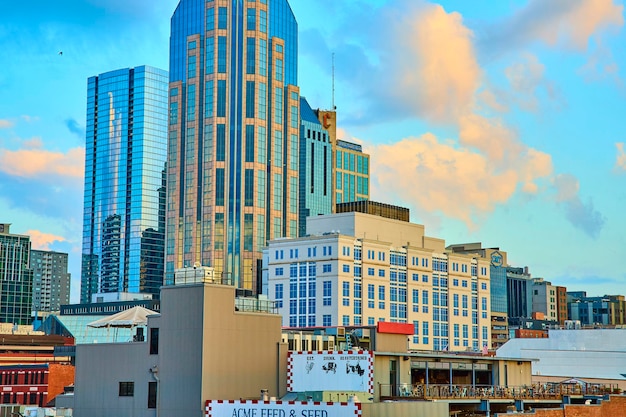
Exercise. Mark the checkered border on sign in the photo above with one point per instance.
(290, 354)
(208, 408)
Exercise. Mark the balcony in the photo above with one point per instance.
(548, 391)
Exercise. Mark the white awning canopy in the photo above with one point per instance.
(136, 316)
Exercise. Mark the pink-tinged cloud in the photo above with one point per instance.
(431, 63)
(37, 162)
(620, 161)
(41, 240)
(490, 136)
(493, 100)
(567, 23)
(33, 143)
(600, 66)
(438, 176)
(584, 21)
(529, 85)
(5, 124)
(437, 72)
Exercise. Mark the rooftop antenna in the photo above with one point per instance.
(333, 77)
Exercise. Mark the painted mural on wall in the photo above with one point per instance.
(331, 371)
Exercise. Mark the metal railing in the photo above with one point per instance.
(456, 391)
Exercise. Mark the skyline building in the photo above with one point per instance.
(519, 292)
(316, 167)
(124, 201)
(352, 172)
(498, 287)
(357, 269)
(16, 277)
(607, 310)
(234, 125)
(544, 296)
(51, 280)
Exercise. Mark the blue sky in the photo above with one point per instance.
(493, 121)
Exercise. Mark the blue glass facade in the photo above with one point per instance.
(498, 289)
(352, 173)
(233, 135)
(519, 292)
(316, 193)
(124, 203)
(16, 278)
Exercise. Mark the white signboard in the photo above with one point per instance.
(330, 371)
(256, 408)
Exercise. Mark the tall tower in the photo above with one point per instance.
(124, 204)
(316, 166)
(51, 280)
(234, 123)
(16, 277)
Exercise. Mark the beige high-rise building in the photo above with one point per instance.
(359, 269)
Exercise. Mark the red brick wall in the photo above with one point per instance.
(615, 407)
(549, 413)
(59, 377)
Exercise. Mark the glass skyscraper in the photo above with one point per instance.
(124, 205)
(316, 167)
(352, 174)
(234, 124)
(16, 278)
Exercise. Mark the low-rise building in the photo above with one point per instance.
(592, 355)
(607, 310)
(205, 344)
(34, 368)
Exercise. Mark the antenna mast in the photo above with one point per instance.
(333, 72)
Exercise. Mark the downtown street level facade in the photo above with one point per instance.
(124, 201)
(234, 125)
(360, 269)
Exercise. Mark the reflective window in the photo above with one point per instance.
(208, 99)
(221, 98)
(221, 54)
(191, 66)
(251, 19)
(278, 148)
(173, 113)
(249, 187)
(220, 143)
(250, 99)
(263, 21)
(210, 55)
(191, 102)
(249, 143)
(263, 57)
(279, 70)
(262, 101)
(278, 97)
(219, 187)
(250, 55)
(210, 18)
(222, 18)
(248, 227)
